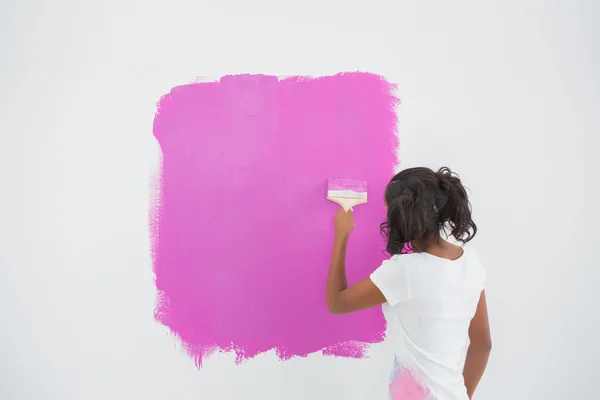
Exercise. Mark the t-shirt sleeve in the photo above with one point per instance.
(481, 275)
(391, 278)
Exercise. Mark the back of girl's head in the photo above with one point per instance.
(421, 203)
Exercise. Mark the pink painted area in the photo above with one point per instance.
(243, 231)
(405, 386)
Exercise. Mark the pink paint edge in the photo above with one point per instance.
(347, 349)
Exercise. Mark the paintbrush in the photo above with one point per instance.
(347, 192)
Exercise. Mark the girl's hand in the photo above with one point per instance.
(344, 222)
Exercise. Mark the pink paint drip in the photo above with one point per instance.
(243, 232)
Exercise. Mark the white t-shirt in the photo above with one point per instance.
(430, 304)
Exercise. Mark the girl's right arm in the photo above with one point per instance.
(479, 348)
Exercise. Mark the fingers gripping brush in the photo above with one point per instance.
(347, 192)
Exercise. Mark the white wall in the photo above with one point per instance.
(505, 92)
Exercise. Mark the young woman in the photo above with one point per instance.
(432, 291)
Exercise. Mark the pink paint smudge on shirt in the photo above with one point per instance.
(242, 233)
(405, 386)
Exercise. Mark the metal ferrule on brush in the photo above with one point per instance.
(347, 194)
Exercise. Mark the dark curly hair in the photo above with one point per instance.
(421, 203)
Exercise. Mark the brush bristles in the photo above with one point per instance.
(347, 184)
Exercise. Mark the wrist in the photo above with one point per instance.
(342, 236)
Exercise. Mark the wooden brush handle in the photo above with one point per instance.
(347, 204)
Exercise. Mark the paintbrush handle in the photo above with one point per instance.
(346, 203)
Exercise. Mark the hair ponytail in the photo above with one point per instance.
(455, 211)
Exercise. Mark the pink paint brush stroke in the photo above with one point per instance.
(243, 232)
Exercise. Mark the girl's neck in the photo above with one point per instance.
(438, 247)
(432, 242)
